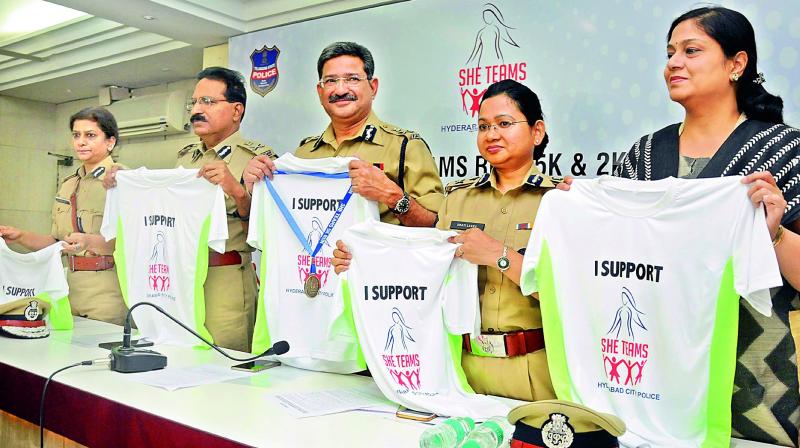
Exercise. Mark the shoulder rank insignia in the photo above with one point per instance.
(198, 151)
(308, 139)
(412, 135)
(225, 151)
(97, 172)
(186, 149)
(369, 133)
(395, 130)
(461, 183)
(258, 149)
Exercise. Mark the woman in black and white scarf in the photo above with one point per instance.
(733, 126)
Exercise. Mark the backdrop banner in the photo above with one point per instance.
(596, 66)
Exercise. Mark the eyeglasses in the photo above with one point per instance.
(351, 80)
(502, 125)
(205, 101)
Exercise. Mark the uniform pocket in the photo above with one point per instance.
(62, 218)
(521, 238)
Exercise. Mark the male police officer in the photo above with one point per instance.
(396, 168)
(217, 109)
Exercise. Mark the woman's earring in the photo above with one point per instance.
(734, 77)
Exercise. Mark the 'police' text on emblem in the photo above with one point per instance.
(264, 75)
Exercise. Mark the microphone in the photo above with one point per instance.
(126, 359)
(278, 348)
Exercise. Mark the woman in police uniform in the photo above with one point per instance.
(495, 213)
(94, 290)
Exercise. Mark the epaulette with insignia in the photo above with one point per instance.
(188, 148)
(395, 130)
(308, 139)
(259, 149)
(461, 183)
(250, 145)
(556, 179)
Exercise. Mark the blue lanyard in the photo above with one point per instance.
(293, 223)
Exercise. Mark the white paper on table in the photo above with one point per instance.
(82, 322)
(94, 340)
(331, 401)
(182, 377)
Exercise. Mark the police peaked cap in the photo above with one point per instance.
(563, 424)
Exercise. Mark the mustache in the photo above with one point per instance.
(346, 96)
(197, 117)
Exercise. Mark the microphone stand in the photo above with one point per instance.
(127, 359)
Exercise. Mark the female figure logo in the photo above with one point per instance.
(399, 331)
(491, 35)
(316, 233)
(159, 249)
(628, 314)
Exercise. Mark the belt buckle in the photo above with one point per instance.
(491, 345)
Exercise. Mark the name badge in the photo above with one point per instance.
(464, 225)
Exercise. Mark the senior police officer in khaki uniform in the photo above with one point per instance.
(77, 215)
(396, 168)
(512, 339)
(495, 214)
(217, 108)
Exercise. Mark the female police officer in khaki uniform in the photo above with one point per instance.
(496, 213)
(77, 215)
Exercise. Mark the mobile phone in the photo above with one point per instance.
(411, 414)
(256, 366)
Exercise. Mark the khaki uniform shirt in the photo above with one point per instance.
(236, 152)
(508, 217)
(90, 200)
(380, 143)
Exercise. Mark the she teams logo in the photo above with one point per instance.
(158, 277)
(624, 359)
(399, 354)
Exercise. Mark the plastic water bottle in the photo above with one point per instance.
(489, 434)
(447, 434)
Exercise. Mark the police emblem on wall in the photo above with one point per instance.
(264, 75)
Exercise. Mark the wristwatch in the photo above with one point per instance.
(403, 205)
(503, 263)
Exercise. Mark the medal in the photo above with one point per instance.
(311, 285)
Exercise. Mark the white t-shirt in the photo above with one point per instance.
(411, 301)
(284, 311)
(37, 274)
(164, 222)
(639, 285)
